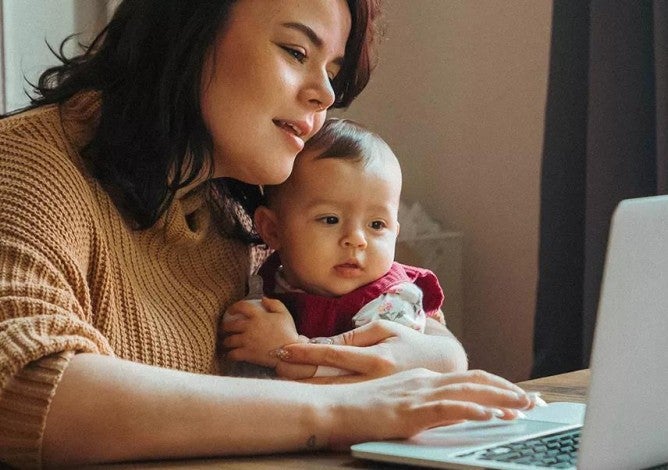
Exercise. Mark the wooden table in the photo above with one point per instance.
(571, 386)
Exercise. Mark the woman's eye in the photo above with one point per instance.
(377, 225)
(296, 53)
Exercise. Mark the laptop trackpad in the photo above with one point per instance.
(471, 435)
(475, 434)
(480, 433)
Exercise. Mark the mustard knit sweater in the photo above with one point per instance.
(74, 277)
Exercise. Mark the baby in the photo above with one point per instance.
(333, 226)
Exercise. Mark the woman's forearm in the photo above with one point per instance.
(107, 409)
(448, 354)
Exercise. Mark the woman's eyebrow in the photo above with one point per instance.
(310, 34)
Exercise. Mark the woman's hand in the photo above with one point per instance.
(404, 404)
(381, 348)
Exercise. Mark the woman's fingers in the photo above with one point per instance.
(375, 349)
(336, 379)
(441, 413)
(404, 404)
(366, 335)
(359, 360)
(474, 386)
(483, 387)
(486, 394)
(447, 412)
(483, 377)
(359, 350)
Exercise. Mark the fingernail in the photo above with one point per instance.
(321, 340)
(497, 412)
(280, 353)
(536, 399)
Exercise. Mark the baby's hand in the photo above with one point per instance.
(254, 328)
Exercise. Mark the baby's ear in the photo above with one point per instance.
(266, 224)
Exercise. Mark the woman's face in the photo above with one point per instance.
(266, 83)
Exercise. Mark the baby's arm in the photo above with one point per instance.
(401, 304)
(256, 328)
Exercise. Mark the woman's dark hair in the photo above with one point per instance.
(147, 65)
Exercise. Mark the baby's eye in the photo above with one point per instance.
(296, 53)
(377, 225)
(330, 220)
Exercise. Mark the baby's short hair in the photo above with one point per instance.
(341, 139)
(344, 138)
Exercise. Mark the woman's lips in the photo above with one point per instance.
(294, 130)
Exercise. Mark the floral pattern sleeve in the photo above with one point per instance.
(402, 303)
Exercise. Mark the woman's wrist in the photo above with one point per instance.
(334, 415)
(322, 415)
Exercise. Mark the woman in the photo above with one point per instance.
(123, 236)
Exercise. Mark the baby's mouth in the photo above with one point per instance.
(349, 265)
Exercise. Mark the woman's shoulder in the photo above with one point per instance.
(41, 171)
(65, 128)
(37, 138)
(22, 121)
(33, 134)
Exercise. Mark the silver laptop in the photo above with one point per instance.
(626, 419)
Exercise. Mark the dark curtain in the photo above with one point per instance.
(606, 139)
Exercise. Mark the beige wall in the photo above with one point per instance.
(459, 93)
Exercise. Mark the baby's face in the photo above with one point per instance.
(337, 223)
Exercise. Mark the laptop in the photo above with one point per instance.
(626, 418)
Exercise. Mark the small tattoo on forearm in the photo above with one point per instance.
(310, 444)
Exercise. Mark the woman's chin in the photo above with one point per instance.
(277, 176)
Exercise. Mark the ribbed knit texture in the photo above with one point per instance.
(74, 277)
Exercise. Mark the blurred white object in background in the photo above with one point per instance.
(425, 243)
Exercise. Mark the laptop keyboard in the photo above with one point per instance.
(552, 451)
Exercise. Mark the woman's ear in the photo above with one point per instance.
(266, 224)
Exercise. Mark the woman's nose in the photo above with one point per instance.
(320, 94)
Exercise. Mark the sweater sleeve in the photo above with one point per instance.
(45, 305)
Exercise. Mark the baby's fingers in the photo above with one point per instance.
(235, 324)
(274, 306)
(233, 342)
(245, 308)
